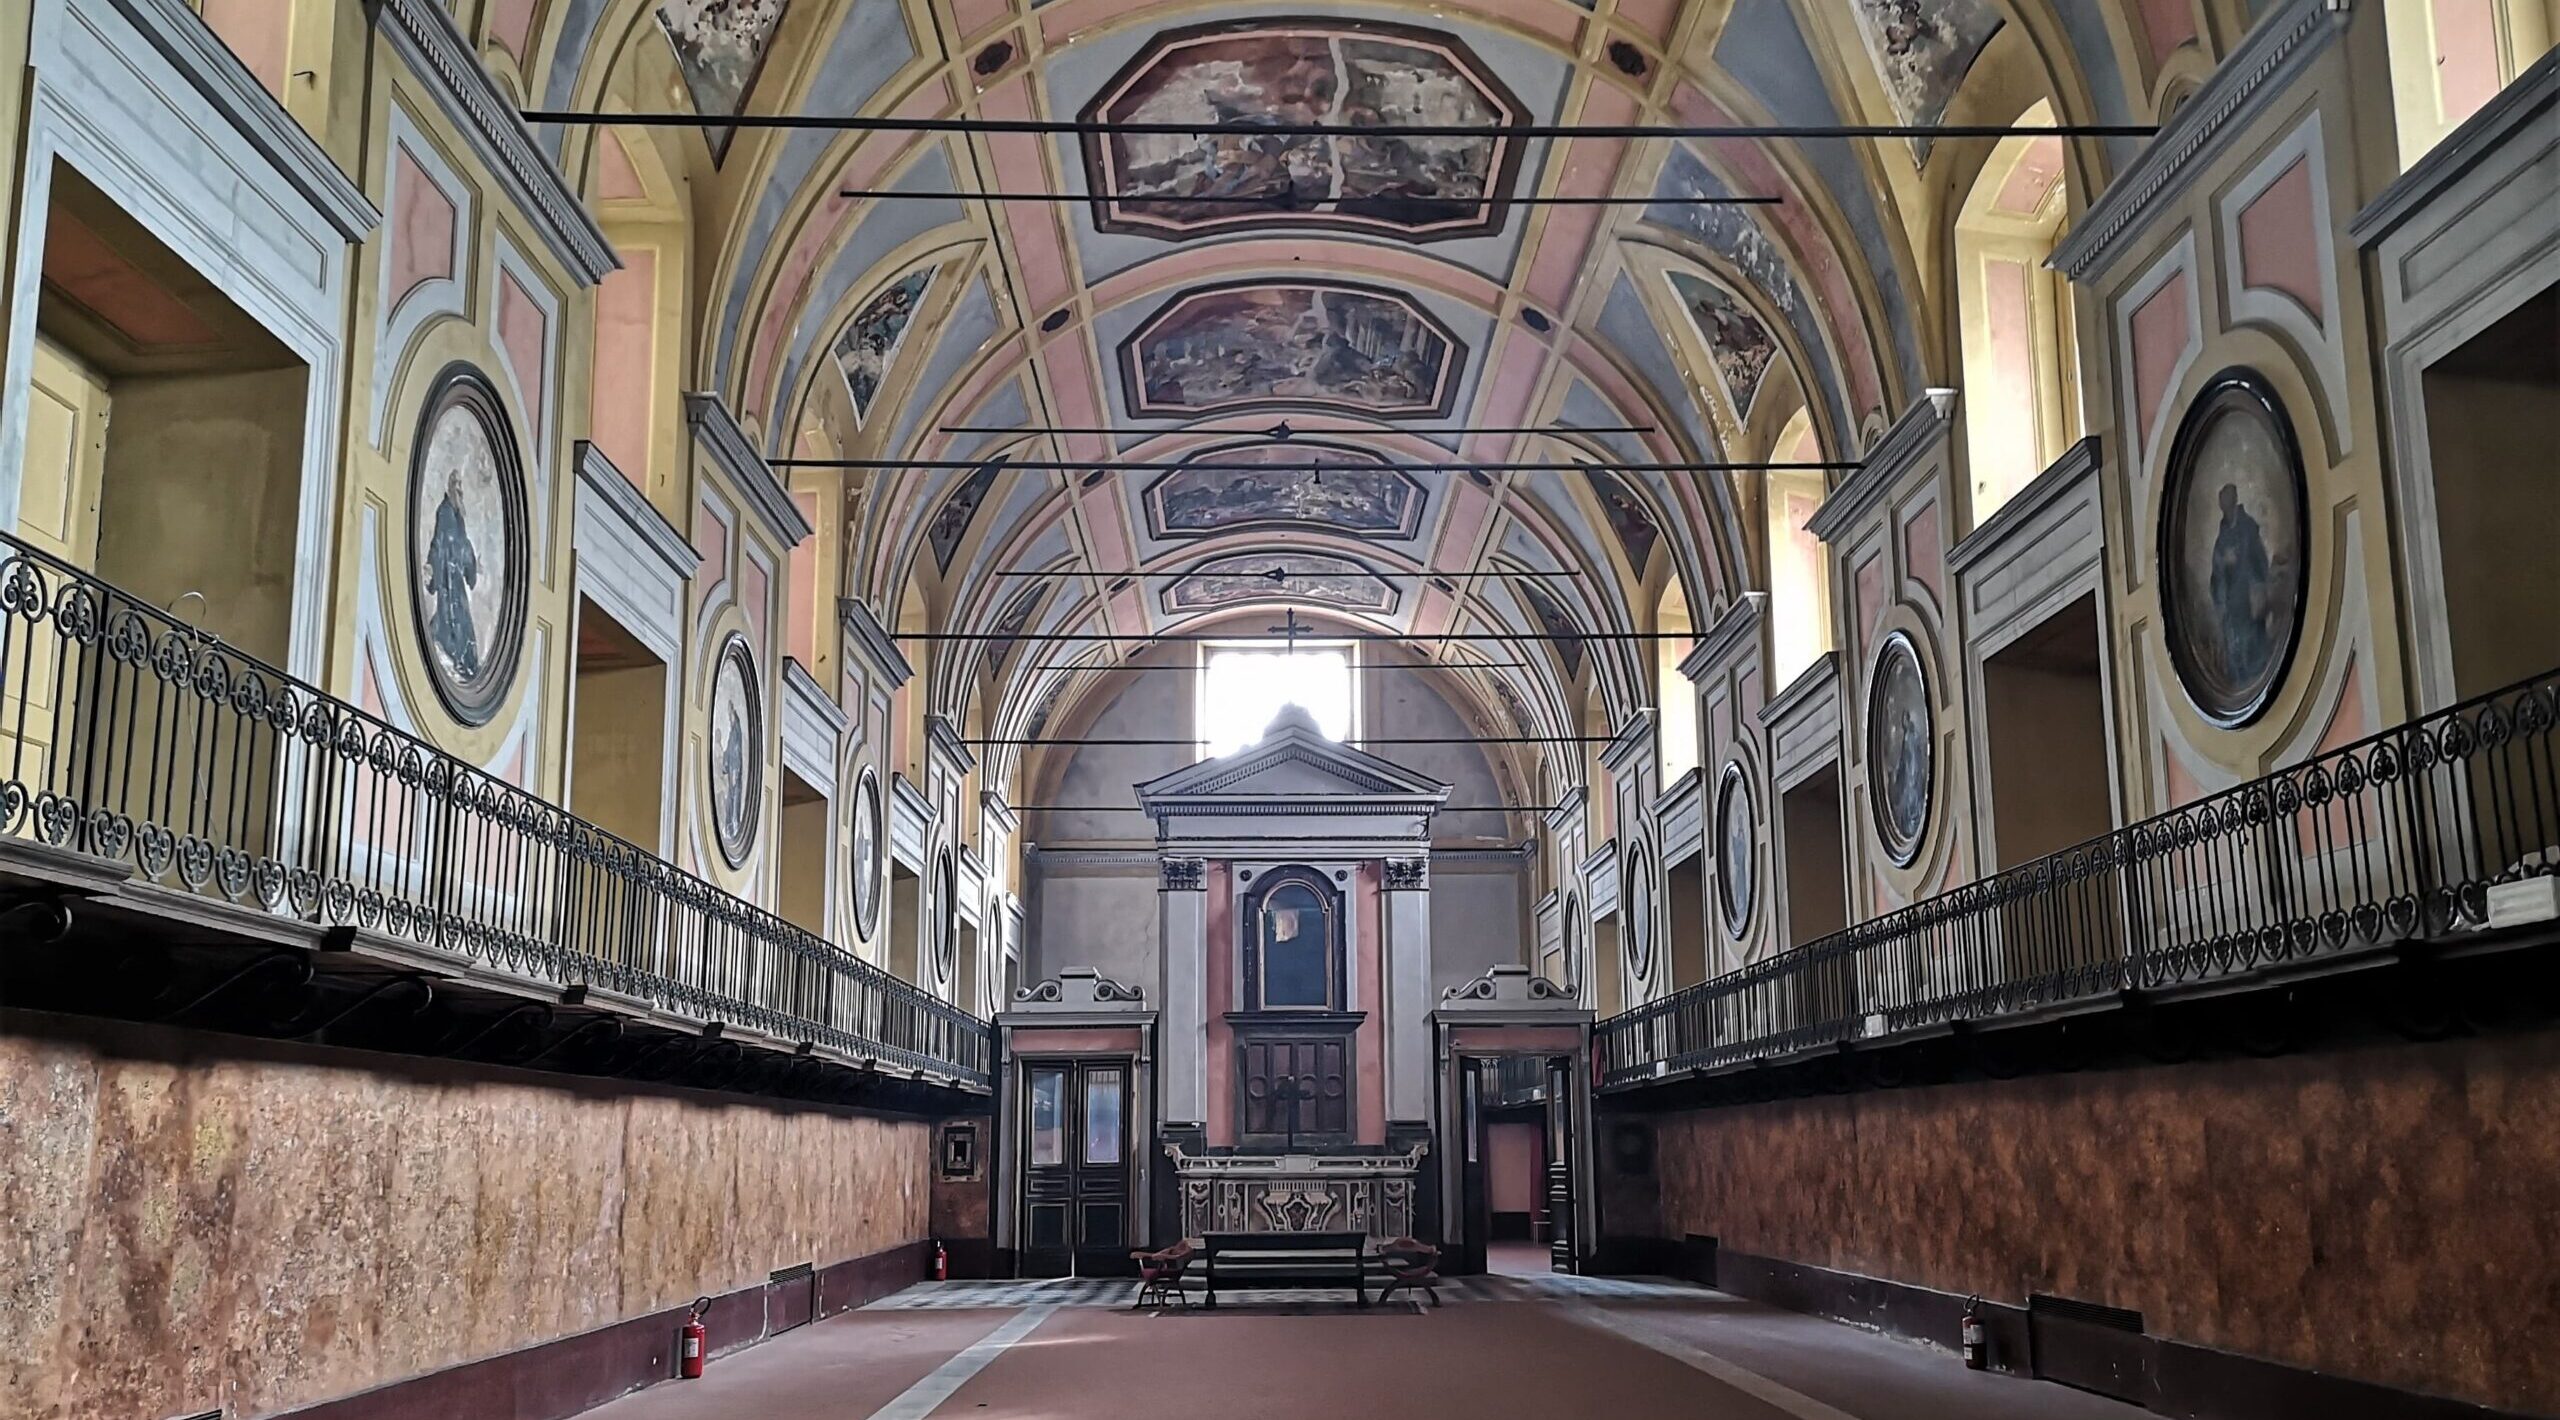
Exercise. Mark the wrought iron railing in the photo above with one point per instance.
(2398, 836)
(127, 734)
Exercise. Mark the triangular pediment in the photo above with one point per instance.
(1293, 761)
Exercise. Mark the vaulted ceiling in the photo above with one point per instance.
(1278, 322)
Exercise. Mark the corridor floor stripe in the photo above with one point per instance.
(919, 1400)
(1752, 1384)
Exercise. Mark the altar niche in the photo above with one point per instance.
(1296, 1043)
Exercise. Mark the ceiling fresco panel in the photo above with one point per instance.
(720, 47)
(1356, 74)
(1922, 50)
(872, 339)
(1291, 345)
(1239, 489)
(1738, 340)
(1300, 578)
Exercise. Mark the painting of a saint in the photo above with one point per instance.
(1901, 748)
(1280, 485)
(1294, 346)
(2231, 547)
(1922, 50)
(1737, 339)
(1338, 74)
(737, 735)
(467, 544)
(1300, 577)
(1733, 848)
(866, 863)
(720, 45)
(870, 343)
(1635, 887)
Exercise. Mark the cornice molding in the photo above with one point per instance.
(427, 38)
(716, 429)
(195, 51)
(599, 476)
(1820, 678)
(2237, 91)
(1630, 742)
(992, 805)
(1903, 446)
(803, 689)
(1567, 807)
(2496, 124)
(872, 644)
(1740, 620)
(2079, 462)
(941, 736)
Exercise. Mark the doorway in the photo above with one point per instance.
(1518, 1175)
(1075, 1168)
(1816, 858)
(2492, 419)
(2045, 721)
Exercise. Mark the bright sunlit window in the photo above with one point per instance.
(1241, 690)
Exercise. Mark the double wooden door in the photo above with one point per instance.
(1075, 1168)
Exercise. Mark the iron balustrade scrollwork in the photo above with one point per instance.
(2397, 836)
(126, 734)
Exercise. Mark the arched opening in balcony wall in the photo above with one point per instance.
(1676, 734)
(1799, 573)
(2021, 363)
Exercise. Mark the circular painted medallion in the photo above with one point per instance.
(467, 544)
(1635, 888)
(1734, 832)
(2232, 530)
(867, 844)
(945, 917)
(737, 733)
(1901, 748)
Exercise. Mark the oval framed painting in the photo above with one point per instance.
(867, 846)
(1734, 841)
(945, 917)
(467, 543)
(1902, 739)
(2234, 524)
(1635, 890)
(1571, 944)
(737, 734)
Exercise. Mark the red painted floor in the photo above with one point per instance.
(1502, 1349)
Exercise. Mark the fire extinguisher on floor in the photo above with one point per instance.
(1977, 1343)
(690, 1341)
(941, 1262)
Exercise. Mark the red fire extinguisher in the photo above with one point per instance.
(941, 1262)
(689, 1341)
(1977, 1344)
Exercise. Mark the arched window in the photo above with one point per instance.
(1676, 736)
(1799, 571)
(2020, 357)
(2450, 57)
(1293, 943)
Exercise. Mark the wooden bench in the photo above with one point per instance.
(1242, 1258)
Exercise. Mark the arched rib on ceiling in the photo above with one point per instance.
(852, 327)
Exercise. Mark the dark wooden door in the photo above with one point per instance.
(1560, 1156)
(1075, 1174)
(1475, 1077)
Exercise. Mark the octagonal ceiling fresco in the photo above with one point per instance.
(1296, 577)
(1304, 71)
(1294, 345)
(1299, 485)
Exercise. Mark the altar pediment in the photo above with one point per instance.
(1294, 769)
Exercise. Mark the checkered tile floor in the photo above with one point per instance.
(1123, 1291)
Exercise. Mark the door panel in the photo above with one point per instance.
(1075, 1176)
(1560, 1155)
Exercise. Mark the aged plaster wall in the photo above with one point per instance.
(182, 1229)
(2387, 1213)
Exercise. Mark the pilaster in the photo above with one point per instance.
(1182, 914)
(1407, 954)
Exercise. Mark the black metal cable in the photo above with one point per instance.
(1095, 638)
(1287, 202)
(1282, 432)
(1145, 742)
(1276, 576)
(1211, 465)
(1055, 127)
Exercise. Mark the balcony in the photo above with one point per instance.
(205, 841)
(2435, 842)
